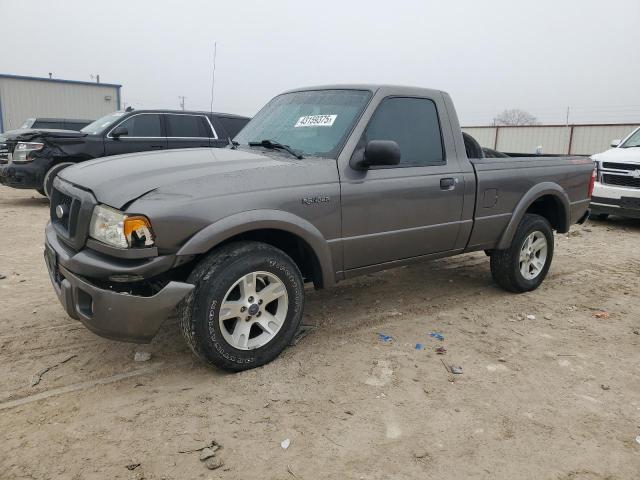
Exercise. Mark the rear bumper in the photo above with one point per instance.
(110, 314)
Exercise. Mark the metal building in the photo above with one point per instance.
(556, 139)
(28, 97)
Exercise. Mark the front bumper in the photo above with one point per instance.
(110, 314)
(22, 175)
(615, 200)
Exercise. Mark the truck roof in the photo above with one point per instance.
(200, 112)
(373, 87)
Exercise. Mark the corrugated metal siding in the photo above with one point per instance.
(586, 139)
(485, 136)
(22, 99)
(527, 139)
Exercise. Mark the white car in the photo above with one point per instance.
(617, 187)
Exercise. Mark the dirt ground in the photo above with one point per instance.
(555, 397)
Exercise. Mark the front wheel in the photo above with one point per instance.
(246, 306)
(524, 265)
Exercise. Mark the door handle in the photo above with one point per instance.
(448, 183)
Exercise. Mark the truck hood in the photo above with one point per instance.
(622, 155)
(27, 134)
(119, 180)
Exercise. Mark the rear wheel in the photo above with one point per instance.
(47, 184)
(524, 265)
(246, 306)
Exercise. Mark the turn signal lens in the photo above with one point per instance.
(137, 231)
(592, 182)
(114, 228)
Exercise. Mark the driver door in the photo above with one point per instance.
(407, 210)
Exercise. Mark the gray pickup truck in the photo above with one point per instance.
(324, 184)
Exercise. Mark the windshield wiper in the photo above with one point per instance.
(275, 145)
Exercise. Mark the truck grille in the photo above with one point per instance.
(4, 152)
(77, 205)
(70, 206)
(621, 181)
(629, 167)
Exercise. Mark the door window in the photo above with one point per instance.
(144, 125)
(187, 126)
(413, 124)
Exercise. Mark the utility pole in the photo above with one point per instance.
(567, 121)
(213, 74)
(181, 101)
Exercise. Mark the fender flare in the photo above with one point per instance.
(538, 191)
(252, 220)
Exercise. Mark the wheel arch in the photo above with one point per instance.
(297, 237)
(546, 199)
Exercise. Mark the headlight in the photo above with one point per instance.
(23, 149)
(114, 228)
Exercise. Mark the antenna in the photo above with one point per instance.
(181, 101)
(213, 75)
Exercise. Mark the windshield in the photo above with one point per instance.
(314, 122)
(632, 141)
(28, 123)
(99, 125)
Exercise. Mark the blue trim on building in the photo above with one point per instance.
(57, 80)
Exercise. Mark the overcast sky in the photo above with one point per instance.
(541, 56)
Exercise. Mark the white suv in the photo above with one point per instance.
(617, 187)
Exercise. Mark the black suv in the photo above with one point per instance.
(33, 158)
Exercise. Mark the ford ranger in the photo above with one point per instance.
(324, 184)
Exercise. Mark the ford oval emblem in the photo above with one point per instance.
(60, 212)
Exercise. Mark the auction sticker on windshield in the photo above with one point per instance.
(316, 121)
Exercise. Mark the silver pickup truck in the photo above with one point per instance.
(324, 184)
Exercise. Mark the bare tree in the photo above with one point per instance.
(515, 117)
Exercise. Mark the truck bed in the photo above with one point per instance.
(504, 184)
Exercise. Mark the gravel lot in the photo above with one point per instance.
(555, 397)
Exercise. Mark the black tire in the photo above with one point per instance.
(49, 177)
(505, 264)
(213, 277)
(41, 191)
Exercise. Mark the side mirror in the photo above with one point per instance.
(615, 143)
(380, 152)
(119, 131)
